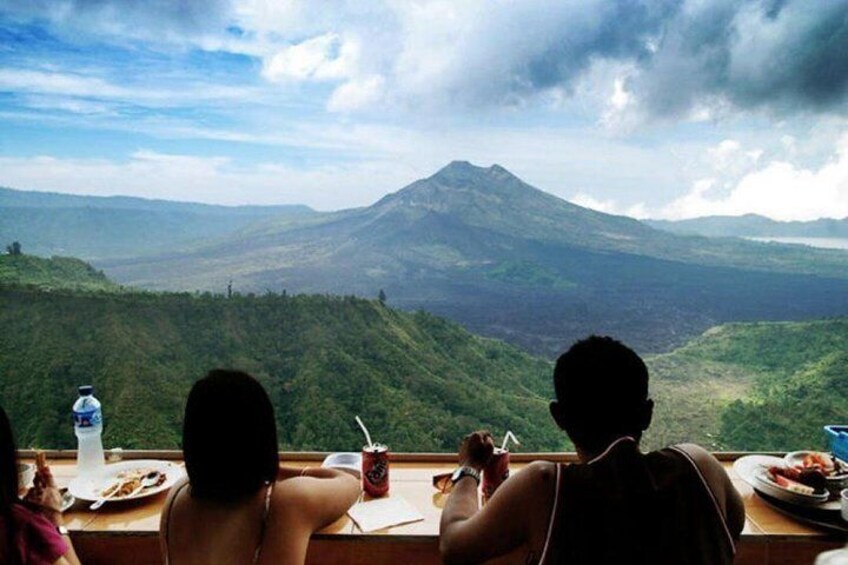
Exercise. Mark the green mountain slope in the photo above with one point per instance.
(419, 381)
(94, 227)
(52, 274)
(507, 260)
(761, 386)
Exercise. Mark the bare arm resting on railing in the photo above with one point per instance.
(510, 522)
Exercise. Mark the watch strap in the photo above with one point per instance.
(465, 471)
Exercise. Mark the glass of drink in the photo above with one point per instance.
(375, 470)
(495, 472)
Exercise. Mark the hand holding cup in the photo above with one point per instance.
(476, 449)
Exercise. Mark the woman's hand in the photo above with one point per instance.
(45, 495)
(476, 450)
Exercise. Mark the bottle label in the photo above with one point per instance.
(87, 418)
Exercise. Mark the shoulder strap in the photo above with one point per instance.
(687, 456)
(552, 519)
(265, 511)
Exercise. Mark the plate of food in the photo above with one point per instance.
(127, 480)
(834, 471)
(791, 485)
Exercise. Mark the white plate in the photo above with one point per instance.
(750, 466)
(92, 488)
(349, 461)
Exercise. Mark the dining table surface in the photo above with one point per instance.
(127, 531)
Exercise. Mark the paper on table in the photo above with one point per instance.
(383, 513)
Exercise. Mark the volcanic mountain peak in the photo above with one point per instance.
(463, 174)
(460, 184)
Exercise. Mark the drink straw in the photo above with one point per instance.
(509, 436)
(367, 435)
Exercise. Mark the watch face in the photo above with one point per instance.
(457, 475)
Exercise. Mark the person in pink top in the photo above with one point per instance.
(31, 531)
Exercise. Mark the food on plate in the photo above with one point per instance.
(130, 481)
(828, 465)
(806, 481)
(789, 484)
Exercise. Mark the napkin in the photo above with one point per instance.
(383, 513)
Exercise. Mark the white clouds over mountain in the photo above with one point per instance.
(660, 107)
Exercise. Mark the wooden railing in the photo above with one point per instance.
(128, 532)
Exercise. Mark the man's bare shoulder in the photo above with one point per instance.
(703, 458)
(541, 471)
(534, 481)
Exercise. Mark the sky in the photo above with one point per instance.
(663, 109)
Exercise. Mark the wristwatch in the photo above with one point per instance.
(465, 471)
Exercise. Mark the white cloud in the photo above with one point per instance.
(779, 190)
(324, 57)
(638, 210)
(58, 83)
(67, 84)
(724, 152)
(69, 104)
(620, 97)
(356, 94)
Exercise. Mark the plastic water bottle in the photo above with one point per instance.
(88, 426)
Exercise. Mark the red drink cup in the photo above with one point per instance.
(375, 470)
(495, 472)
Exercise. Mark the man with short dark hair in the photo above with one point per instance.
(618, 505)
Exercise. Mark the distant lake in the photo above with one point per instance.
(822, 242)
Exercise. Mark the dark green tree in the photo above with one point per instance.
(15, 248)
(382, 296)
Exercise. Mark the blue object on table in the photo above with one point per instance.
(837, 437)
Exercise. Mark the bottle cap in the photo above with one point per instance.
(86, 390)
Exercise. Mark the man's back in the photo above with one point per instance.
(619, 506)
(676, 505)
(626, 507)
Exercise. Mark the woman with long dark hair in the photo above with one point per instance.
(238, 505)
(32, 530)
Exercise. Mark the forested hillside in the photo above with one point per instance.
(419, 382)
(51, 274)
(758, 386)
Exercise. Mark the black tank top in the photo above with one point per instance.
(629, 507)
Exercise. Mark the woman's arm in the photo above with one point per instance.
(45, 497)
(321, 495)
(70, 558)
